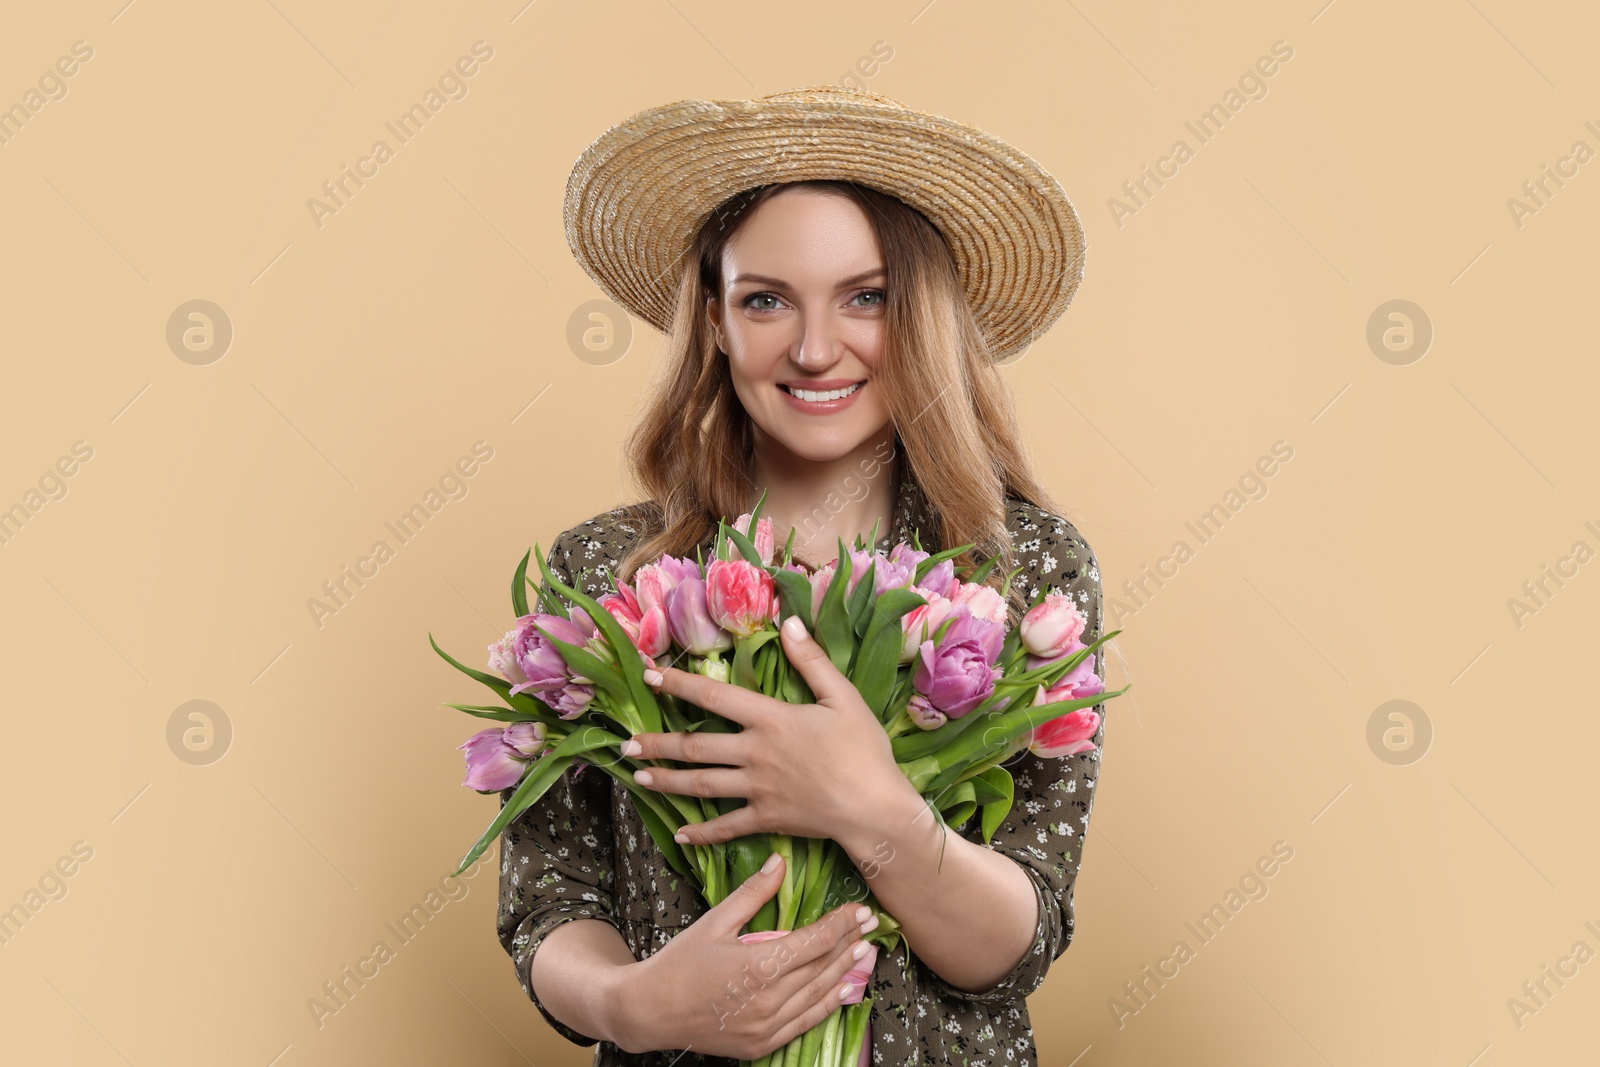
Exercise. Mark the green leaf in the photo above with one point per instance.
(661, 834)
(861, 600)
(489, 711)
(833, 622)
(994, 789)
(878, 660)
(746, 547)
(519, 701)
(630, 662)
(958, 803)
(519, 587)
(982, 572)
(794, 595)
(937, 558)
(588, 665)
(744, 668)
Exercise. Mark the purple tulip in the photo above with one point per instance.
(889, 574)
(544, 670)
(924, 714)
(985, 633)
(690, 621)
(496, 757)
(939, 576)
(959, 674)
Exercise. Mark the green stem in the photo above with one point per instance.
(855, 1031)
(788, 896)
(900, 724)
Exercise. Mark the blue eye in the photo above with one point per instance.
(758, 296)
(872, 292)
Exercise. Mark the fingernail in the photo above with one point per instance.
(860, 950)
(846, 991)
(652, 677)
(642, 776)
(862, 913)
(631, 747)
(681, 838)
(772, 863)
(794, 627)
(870, 925)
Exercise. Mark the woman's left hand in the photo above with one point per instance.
(811, 770)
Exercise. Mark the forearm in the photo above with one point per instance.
(578, 973)
(969, 917)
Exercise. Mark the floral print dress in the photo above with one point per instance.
(582, 852)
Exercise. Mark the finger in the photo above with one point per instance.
(741, 905)
(822, 996)
(734, 702)
(686, 746)
(820, 939)
(725, 827)
(695, 781)
(812, 661)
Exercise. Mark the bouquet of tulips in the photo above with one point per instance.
(928, 650)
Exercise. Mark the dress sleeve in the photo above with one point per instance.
(1049, 818)
(557, 857)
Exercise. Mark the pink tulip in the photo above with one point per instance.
(497, 757)
(690, 622)
(922, 622)
(819, 588)
(656, 581)
(646, 628)
(1065, 735)
(1079, 682)
(765, 539)
(738, 596)
(1068, 734)
(1052, 626)
(983, 601)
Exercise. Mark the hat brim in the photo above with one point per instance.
(639, 194)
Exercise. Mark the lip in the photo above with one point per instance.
(822, 407)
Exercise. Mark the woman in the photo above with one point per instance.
(832, 326)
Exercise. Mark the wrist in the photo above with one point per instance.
(886, 814)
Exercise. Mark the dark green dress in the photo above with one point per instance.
(582, 852)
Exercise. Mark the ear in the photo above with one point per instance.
(714, 316)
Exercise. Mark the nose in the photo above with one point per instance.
(818, 349)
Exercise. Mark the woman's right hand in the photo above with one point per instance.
(708, 991)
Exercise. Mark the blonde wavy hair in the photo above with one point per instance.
(955, 423)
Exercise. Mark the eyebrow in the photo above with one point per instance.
(766, 279)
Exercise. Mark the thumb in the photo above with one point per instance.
(741, 905)
(812, 661)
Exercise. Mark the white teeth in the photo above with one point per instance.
(836, 394)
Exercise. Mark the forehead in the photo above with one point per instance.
(802, 235)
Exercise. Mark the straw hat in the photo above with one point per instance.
(637, 196)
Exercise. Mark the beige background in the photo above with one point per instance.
(432, 311)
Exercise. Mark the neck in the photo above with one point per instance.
(825, 501)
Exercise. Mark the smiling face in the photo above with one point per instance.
(801, 319)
